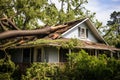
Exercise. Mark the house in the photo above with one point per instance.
(53, 47)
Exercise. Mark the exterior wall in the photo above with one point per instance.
(74, 34)
(51, 54)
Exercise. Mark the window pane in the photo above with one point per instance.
(83, 33)
(26, 55)
(63, 55)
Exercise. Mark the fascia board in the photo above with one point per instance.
(74, 27)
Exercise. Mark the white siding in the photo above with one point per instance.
(51, 54)
(74, 34)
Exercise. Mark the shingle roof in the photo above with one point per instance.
(52, 39)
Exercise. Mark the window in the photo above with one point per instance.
(82, 32)
(26, 55)
(63, 55)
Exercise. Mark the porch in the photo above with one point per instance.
(52, 54)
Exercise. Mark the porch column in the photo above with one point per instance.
(69, 51)
(35, 55)
(111, 54)
(96, 53)
(118, 55)
(58, 54)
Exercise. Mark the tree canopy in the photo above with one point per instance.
(23, 12)
(27, 13)
(112, 30)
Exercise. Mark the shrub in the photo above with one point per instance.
(84, 67)
(7, 68)
(80, 66)
(40, 71)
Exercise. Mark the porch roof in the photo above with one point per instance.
(66, 43)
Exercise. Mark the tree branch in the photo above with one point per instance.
(8, 43)
(3, 27)
(5, 23)
(8, 23)
(77, 7)
(12, 24)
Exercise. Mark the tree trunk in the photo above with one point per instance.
(19, 33)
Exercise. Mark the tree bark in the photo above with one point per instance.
(19, 33)
(7, 24)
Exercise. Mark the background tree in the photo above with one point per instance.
(112, 30)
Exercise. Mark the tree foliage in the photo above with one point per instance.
(112, 30)
(27, 13)
(7, 68)
(40, 71)
(80, 66)
(24, 12)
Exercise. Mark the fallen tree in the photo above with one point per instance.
(7, 24)
(18, 33)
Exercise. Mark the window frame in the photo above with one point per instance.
(83, 34)
(80, 32)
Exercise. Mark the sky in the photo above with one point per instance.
(103, 8)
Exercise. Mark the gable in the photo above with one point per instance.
(84, 31)
(76, 33)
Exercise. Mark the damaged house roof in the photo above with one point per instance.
(51, 36)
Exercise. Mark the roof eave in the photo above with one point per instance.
(96, 33)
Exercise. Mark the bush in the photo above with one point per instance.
(84, 67)
(40, 71)
(7, 68)
(80, 66)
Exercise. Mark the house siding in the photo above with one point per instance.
(74, 33)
